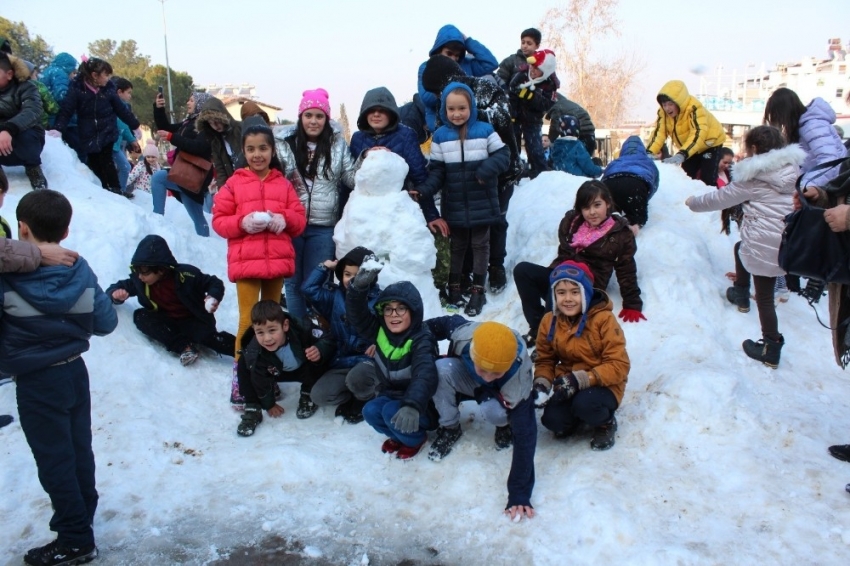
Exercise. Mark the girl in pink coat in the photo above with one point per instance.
(259, 213)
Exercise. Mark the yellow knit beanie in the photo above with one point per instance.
(493, 347)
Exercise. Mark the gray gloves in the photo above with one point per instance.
(406, 420)
(677, 159)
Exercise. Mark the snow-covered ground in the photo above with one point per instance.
(719, 460)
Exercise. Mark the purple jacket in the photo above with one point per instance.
(820, 141)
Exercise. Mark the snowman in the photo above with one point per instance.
(381, 216)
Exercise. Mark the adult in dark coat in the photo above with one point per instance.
(21, 134)
(184, 137)
(224, 134)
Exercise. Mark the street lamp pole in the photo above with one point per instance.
(167, 65)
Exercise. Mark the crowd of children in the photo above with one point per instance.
(366, 350)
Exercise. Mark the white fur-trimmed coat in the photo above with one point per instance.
(765, 185)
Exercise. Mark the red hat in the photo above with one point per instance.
(545, 61)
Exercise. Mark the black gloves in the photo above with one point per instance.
(368, 272)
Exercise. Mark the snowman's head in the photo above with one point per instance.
(381, 173)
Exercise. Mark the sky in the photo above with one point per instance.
(349, 47)
(718, 459)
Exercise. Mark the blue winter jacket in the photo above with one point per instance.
(329, 300)
(634, 162)
(48, 316)
(476, 61)
(820, 141)
(466, 172)
(570, 155)
(56, 77)
(97, 124)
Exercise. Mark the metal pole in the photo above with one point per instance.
(167, 65)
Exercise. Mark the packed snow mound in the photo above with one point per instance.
(718, 458)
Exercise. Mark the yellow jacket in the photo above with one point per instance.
(693, 131)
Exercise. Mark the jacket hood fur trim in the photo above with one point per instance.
(774, 159)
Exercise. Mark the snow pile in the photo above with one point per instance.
(718, 458)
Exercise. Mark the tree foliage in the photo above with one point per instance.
(599, 83)
(33, 49)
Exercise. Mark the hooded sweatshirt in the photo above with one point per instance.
(226, 146)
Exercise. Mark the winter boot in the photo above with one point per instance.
(442, 445)
(476, 301)
(306, 407)
(498, 279)
(466, 284)
(841, 452)
(569, 431)
(189, 356)
(237, 401)
(251, 418)
(408, 452)
(36, 177)
(740, 297)
(530, 339)
(390, 446)
(351, 411)
(455, 295)
(5, 420)
(504, 437)
(603, 435)
(57, 554)
(765, 350)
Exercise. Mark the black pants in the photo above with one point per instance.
(631, 195)
(532, 284)
(499, 229)
(764, 296)
(54, 405)
(478, 240)
(178, 333)
(594, 406)
(103, 166)
(703, 166)
(26, 148)
(253, 387)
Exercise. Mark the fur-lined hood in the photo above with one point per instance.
(22, 72)
(213, 109)
(771, 163)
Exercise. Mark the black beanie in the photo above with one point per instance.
(439, 71)
(534, 34)
(354, 257)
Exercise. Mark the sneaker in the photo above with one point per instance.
(57, 554)
(476, 303)
(251, 418)
(237, 401)
(36, 177)
(306, 407)
(189, 356)
(841, 452)
(603, 435)
(740, 297)
(442, 445)
(351, 411)
(498, 280)
(504, 437)
(408, 452)
(390, 446)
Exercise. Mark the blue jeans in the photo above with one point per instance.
(312, 247)
(380, 410)
(55, 411)
(123, 166)
(159, 187)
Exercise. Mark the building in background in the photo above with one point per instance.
(234, 96)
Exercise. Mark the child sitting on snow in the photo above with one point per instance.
(403, 374)
(140, 176)
(328, 300)
(569, 154)
(581, 358)
(277, 347)
(177, 299)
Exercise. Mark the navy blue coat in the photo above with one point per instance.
(97, 124)
(634, 162)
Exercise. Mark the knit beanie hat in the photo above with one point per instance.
(439, 71)
(580, 274)
(150, 149)
(569, 126)
(317, 98)
(533, 33)
(493, 347)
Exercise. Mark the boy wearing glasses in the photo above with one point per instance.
(178, 301)
(401, 379)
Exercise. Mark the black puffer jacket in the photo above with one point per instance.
(404, 362)
(20, 102)
(184, 137)
(192, 285)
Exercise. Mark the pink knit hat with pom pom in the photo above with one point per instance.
(150, 149)
(317, 98)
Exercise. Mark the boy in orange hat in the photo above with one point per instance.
(488, 362)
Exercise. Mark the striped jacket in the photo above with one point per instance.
(466, 171)
(49, 315)
(693, 131)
